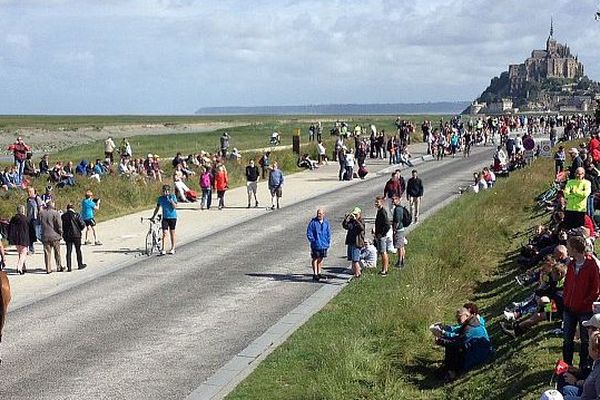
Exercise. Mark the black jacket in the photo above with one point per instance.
(72, 225)
(382, 222)
(414, 187)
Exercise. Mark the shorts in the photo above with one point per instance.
(318, 253)
(384, 244)
(89, 222)
(353, 253)
(275, 191)
(251, 187)
(399, 239)
(168, 224)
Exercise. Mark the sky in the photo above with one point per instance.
(175, 56)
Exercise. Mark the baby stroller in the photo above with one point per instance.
(275, 139)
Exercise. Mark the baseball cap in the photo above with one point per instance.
(149, 155)
(551, 394)
(593, 322)
(356, 211)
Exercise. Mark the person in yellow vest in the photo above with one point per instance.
(576, 193)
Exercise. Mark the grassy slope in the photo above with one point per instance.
(372, 341)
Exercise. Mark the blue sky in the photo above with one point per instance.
(174, 56)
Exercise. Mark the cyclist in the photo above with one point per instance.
(168, 203)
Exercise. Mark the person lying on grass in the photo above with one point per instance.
(466, 343)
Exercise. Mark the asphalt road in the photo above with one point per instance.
(159, 328)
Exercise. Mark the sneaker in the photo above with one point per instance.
(172, 251)
(508, 330)
(315, 278)
(509, 315)
(519, 281)
(382, 273)
(87, 242)
(256, 204)
(556, 332)
(82, 266)
(248, 205)
(98, 243)
(162, 252)
(272, 207)
(321, 276)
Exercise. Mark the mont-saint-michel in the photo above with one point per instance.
(551, 79)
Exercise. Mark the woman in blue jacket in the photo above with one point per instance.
(467, 343)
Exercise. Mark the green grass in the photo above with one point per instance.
(372, 340)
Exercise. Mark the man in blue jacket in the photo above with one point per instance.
(318, 234)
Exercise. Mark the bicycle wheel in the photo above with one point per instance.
(149, 243)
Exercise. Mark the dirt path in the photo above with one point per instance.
(49, 141)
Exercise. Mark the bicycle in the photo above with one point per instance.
(154, 236)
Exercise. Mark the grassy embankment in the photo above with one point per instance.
(121, 197)
(372, 341)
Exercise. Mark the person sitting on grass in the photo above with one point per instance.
(180, 189)
(6, 180)
(466, 343)
(44, 165)
(547, 301)
(30, 169)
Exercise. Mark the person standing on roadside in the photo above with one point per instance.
(73, 225)
(394, 186)
(318, 234)
(400, 220)
(221, 185)
(109, 149)
(168, 202)
(34, 205)
(414, 194)
(581, 290)
(576, 194)
(51, 235)
(89, 206)
(206, 183)
(264, 163)
(19, 235)
(576, 162)
(355, 238)
(275, 184)
(381, 230)
(252, 176)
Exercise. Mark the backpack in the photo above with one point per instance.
(406, 218)
(205, 181)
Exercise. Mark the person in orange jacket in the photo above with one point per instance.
(221, 184)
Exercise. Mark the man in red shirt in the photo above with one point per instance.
(394, 187)
(581, 290)
(19, 149)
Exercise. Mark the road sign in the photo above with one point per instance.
(545, 148)
(528, 143)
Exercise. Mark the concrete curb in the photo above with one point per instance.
(222, 382)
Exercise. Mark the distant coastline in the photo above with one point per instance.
(441, 107)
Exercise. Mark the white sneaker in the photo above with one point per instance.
(509, 315)
(172, 251)
(162, 252)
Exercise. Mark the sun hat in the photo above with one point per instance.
(593, 322)
(149, 155)
(356, 211)
(551, 394)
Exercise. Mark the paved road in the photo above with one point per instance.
(159, 328)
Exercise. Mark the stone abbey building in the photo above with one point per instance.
(554, 62)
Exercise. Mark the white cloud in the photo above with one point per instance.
(176, 55)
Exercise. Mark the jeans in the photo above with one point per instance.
(206, 198)
(571, 392)
(20, 167)
(570, 321)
